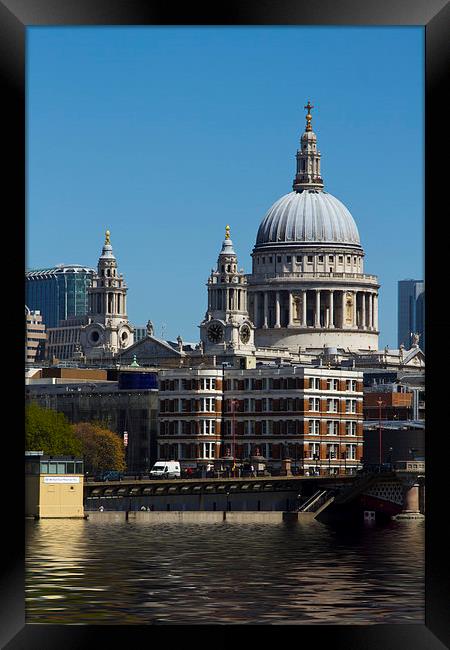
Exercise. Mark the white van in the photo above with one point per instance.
(166, 469)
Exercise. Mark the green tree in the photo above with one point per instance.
(102, 449)
(49, 431)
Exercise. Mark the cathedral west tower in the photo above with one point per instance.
(108, 330)
(227, 328)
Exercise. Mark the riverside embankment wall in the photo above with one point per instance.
(283, 501)
(197, 517)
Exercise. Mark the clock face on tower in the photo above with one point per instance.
(215, 332)
(245, 333)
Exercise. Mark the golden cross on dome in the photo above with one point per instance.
(107, 235)
(227, 232)
(308, 107)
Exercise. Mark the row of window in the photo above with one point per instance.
(305, 259)
(250, 427)
(260, 383)
(250, 405)
(203, 383)
(187, 427)
(289, 404)
(332, 427)
(291, 383)
(183, 451)
(332, 405)
(207, 450)
(200, 405)
(333, 384)
(53, 467)
(332, 451)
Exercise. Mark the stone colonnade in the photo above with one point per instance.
(318, 308)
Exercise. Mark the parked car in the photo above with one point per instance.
(109, 475)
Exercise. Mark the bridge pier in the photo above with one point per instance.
(411, 504)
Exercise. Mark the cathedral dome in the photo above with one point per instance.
(308, 217)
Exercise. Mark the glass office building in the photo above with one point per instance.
(411, 311)
(58, 293)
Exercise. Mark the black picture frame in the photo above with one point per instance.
(433, 15)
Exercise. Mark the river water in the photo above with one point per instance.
(85, 572)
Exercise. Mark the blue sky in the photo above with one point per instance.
(164, 135)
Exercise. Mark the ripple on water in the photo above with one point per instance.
(175, 573)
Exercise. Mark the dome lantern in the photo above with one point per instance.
(308, 159)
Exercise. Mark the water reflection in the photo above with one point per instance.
(85, 572)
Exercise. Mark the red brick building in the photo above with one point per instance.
(312, 415)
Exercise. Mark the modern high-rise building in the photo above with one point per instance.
(58, 293)
(411, 312)
(35, 336)
(140, 332)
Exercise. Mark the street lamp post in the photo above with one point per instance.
(222, 423)
(380, 404)
(316, 458)
(390, 455)
(234, 402)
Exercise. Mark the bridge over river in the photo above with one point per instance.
(388, 492)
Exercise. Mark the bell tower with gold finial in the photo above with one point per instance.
(108, 331)
(308, 176)
(227, 328)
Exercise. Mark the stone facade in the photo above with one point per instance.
(308, 287)
(108, 330)
(227, 328)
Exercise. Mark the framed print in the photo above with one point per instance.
(184, 34)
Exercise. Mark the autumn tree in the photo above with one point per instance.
(102, 449)
(49, 431)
